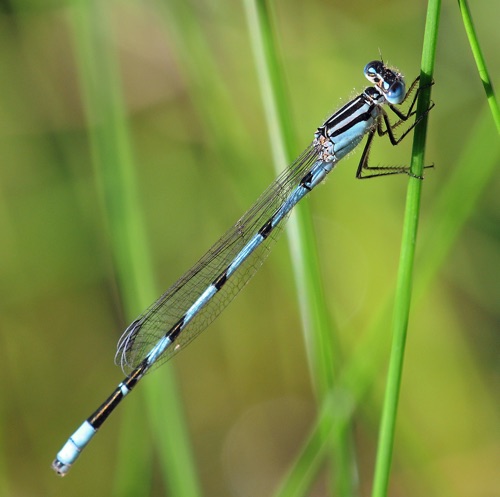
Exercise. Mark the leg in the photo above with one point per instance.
(386, 170)
(378, 170)
(383, 119)
(389, 127)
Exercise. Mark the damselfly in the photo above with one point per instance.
(199, 296)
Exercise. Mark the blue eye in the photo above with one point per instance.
(373, 69)
(396, 93)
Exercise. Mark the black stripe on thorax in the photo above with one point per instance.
(346, 111)
(365, 116)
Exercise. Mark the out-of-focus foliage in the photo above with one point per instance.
(201, 156)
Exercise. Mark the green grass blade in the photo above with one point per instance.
(311, 457)
(453, 207)
(300, 231)
(405, 273)
(314, 310)
(480, 61)
(115, 172)
(200, 154)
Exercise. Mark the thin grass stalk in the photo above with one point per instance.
(115, 173)
(480, 61)
(322, 351)
(405, 272)
(452, 213)
(472, 174)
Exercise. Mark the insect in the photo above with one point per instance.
(203, 292)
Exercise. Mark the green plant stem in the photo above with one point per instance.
(405, 273)
(308, 462)
(300, 231)
(452, 209)
(314, 311)
(115, 173)
(480, 61)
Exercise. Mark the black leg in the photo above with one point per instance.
(389, 131)
(377, 170)
(389, 127)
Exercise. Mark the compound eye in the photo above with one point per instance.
(373, 69)
(395, 94)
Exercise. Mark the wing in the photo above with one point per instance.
(141, 336)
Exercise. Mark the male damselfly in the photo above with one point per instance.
(203, 292)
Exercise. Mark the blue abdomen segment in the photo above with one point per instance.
(72, 448)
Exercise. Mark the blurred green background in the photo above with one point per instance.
(196, 138)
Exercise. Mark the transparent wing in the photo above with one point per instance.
(139, 338)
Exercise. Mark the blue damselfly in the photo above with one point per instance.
(203, 292)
